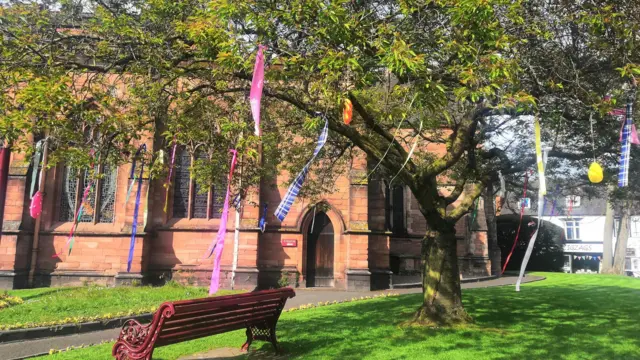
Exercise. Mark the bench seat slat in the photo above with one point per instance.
(213, 330)
(248, 318)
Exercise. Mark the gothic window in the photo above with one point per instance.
(200, 197)
(181, 184)
(107, 194)
(192, 200)
(395, 206)
(217, 199)
(99, 205)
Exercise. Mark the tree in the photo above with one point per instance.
(455, 73)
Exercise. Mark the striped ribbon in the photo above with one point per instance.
(76, 218)
(134, 225)
(222, 230)
(625, 152)
(79, 212)
(542, 182)
(288, 199)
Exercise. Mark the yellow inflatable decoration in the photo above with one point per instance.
(595, 173)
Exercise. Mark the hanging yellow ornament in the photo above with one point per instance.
(595, 173)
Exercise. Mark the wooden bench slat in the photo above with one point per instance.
(188, 308)
(204, 316)
(213, 330)
(282, 293)
(246, 317)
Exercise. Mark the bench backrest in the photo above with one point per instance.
(192, 319)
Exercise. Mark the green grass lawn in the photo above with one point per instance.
(50, 305)
(563, 317)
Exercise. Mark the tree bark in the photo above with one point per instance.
(492, 231)
(607, 241)
(442, 297)
(621, 244)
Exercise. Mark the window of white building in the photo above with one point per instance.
(572, 229)
(572, 201)
(635, 227)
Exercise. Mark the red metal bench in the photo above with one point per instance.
(186, 320)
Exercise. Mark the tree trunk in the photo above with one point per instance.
(607, 241)
(441, 280)
(492, 231)
(621, 244)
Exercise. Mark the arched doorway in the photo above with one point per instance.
(320, 243)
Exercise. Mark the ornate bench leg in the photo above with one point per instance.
(246, 345)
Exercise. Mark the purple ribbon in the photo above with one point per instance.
(219, 245)
(134, 226)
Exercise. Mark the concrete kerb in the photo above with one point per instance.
(68, 329)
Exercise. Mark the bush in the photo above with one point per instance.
(284, 279)
(547, 252)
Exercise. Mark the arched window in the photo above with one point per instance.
(99, 206)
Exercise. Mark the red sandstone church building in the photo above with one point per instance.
(362, 236)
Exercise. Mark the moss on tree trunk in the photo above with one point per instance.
(442, 296)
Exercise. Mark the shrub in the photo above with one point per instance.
(547, 252)
(284, 279)
(7, 300)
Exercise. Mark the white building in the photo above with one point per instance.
(583, 223)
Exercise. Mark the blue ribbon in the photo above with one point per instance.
(263, 220)
(288, 199)
(134, 226)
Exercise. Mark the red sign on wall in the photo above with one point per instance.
(289, 243)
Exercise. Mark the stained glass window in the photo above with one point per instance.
(107, 194)
(88, 208)
(68, 195)
(181, 185)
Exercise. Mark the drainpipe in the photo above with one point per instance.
(36, 231)
(5, 156)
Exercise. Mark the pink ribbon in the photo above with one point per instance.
(255, 96)
(222, 230)
(634, 134)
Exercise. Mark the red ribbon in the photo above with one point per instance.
(524, 196)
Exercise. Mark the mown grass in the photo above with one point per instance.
(55, 305)
(564, 317)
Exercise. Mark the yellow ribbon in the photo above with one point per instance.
(543, 185)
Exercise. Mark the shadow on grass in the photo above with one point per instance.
(581, 321)
(47, 292)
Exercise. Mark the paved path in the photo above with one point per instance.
(24, 349)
